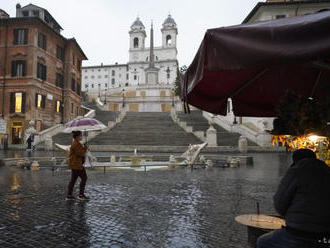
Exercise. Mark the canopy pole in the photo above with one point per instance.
(316, 83)
(252, 80)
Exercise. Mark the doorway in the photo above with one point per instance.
(17, 132)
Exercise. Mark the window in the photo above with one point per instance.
(42, 41)
(105, 85)
(136, 42)
(113, 72)
(112, 81)
(92, 86)
(25, 13)
(86, 85)
(20, 36)
(99, 76)
(35, 13)
(135, 77)
(58, 107)
(126, 84)
(86, 77)
(41, 71)
(40, 101)
(73, 59)
(17, 102)
(73, 84)
(18, 68)
(59, 80)
(71, 108)
(78, 89)
(99, 70)
(78, 65)
(60, 53)
(106, 76)
(127, 76)
(168, 40)
(77, 111)
(92, 76)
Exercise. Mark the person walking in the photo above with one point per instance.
(76, 158)
(303, 199)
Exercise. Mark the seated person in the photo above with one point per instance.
(303, 198)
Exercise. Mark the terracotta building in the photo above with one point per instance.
(40, 72)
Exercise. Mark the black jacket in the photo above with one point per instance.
(303, 196)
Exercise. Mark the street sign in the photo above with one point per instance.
(3, 126)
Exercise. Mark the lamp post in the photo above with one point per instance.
(123, 94)
(168, 74)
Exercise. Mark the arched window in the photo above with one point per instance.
(168, 40)
(136, 42)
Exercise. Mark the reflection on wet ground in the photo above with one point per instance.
(181, 208)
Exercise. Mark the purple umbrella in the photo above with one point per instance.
(83, 124)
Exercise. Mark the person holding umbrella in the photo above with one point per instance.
(76, 157)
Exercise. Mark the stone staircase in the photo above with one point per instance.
(103, 116)
(146, 128)
(198, 123)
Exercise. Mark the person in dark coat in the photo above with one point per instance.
(303, 198)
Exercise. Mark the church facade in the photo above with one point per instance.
(151, 67)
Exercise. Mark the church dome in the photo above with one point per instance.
(169, 21)
(137, 24)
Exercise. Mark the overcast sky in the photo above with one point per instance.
(101, 26)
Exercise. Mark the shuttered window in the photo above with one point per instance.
(42, 41)
(20, 36)
(18, 68)
(40, 101)
(17, 102)
(41, 71)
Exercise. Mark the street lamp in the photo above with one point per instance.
(168, 74)
(123, 94)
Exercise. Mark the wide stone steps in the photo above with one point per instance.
(146, 128)
(198, 123)
(103, 116)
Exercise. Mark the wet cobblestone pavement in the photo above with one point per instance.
(180, 208)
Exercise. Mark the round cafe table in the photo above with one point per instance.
(259, 224)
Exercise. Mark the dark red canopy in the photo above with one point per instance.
(255, 65)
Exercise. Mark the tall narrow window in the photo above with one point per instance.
(17, 102)
(60, 53)
(73, 84)
(41, 71)
(42, 41)
(136, 42)
(18, 68)
(58, 106)
(168, 40)
(113, 72)
(40, 101)
(59, 80)
(78, 89)
(112, 81)
(20, 36)
(71, 108)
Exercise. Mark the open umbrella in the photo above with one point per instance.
(256, 64)
(83, 124)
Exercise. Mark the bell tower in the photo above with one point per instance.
(169, 32)
(137, 35)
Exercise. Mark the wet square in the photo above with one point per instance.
(180, 208)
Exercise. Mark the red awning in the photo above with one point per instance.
(256, 64)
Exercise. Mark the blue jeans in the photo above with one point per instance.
(282, 239)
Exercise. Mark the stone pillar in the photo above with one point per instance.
(211, 136)
(243, 144)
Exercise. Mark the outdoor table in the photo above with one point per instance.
(259, 224)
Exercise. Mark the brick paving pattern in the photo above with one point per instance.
(180, 208)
